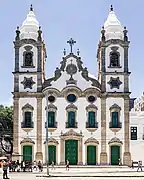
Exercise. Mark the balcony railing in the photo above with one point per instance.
(74, 125)
(54, 125)
(27, 125)
(111, 125)
(88, 125)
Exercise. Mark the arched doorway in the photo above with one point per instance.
(27, 153)
(115, 154)
(52, 153)
(91, 155)
(71, 151)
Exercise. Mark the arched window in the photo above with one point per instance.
(28, 59)
(71, 119)
(27, 117)
(51, 119)
(115, 116)
(114, 59)
(71, 116)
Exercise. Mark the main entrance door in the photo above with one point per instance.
(91, 155)
(71, 151)
(52, 153)
(115, 155)
(27, 153)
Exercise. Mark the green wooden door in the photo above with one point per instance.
(115, 155)
(71, 151)
(91, 155)
(52, 153)
(27, 153)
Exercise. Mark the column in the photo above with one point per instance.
(127, 154)
(80, 152)
(103, 154)
(16, 126)
(39, 154)
(62, 151)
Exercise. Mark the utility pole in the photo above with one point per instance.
(46, 123)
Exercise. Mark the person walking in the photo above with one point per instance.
(67, 165)
(139, 166)
(5, 169)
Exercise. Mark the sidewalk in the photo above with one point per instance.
(92, 172)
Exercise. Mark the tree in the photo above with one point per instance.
(6, 120)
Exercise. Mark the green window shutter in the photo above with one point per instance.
(28, 119)
(91, 118)
(71, 119)
(115, 119)
(27, 153)
(51, 119)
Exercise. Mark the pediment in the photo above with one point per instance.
(52, 140)
(115, 140)
(27, 140)
(91, 140)
(27, 106)
(71, 72)
(71, 132)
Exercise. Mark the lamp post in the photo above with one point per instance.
(47, 152)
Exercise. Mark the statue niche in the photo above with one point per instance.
(114, 59)
(28, 59)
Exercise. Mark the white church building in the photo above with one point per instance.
(88, 118)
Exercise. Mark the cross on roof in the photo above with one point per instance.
(71, 42)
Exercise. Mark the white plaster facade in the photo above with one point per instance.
(110, 91)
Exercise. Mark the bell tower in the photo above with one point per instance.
(113, 75)
(29, 74)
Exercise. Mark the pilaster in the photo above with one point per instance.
(62, 151)
(16, 126)
(103, 154)
(39, 155)
(80, 150)
(127, 154)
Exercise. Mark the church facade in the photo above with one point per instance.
(87, 117)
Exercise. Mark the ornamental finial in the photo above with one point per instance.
(31, 8)
(111, 8)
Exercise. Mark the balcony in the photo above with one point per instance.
(91, 127)
(27, 126)
(115, 128)
(74, 125)
(52, 127)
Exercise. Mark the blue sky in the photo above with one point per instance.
(80, 19)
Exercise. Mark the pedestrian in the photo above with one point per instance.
(35, 166)
(5, 169)
(52, 165)
(120, 163)
(139, 166)
(67, 165)
(40, 166)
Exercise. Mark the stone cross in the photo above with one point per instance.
(71, 42)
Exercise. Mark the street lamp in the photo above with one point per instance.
(46, 125)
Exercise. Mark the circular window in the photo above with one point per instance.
(91, 99)
(51, 99)
(71, 98)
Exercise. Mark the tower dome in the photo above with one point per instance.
(30, 26)
(112, 26)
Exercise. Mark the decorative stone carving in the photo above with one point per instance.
(115, 106)
(91, 106)
(28, 48)
(28, 82)
(52, 107)
(52, 140)
(115, 140)
(114, 82)
(27, 140)
(71, 132)
(27, 106)
(71, 106)
(71, 69)
(57, 73)
(91, 140)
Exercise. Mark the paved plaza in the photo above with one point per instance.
(81, 174)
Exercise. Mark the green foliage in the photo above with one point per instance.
(6, 120)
